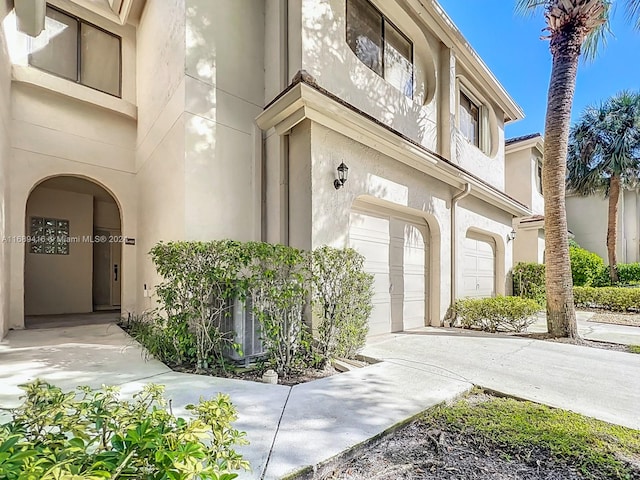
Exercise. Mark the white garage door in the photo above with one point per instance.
(479, 267)
(369, 236)
(394, 252)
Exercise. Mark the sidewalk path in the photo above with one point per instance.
(293, 428)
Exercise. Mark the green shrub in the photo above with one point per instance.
(277, 285)
(497, 313)
(341, 300)
(94, 435)
(585, 266)
(528, 281)
(197, 292)
(618, 299)
(167, 345)
(629, 273)
(201, 282)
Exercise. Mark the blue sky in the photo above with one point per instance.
(510, 45)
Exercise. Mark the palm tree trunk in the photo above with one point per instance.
(561, 315)
(612, 227)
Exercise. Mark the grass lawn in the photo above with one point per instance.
(594, 448)
(483, 436)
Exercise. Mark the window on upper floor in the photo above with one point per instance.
(473, 120)
(78, 51)
(380, 45)
(539, 175)
(469, 114)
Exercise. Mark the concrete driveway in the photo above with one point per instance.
(599, 383)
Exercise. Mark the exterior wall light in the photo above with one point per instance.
(343, 172)
(511, 236)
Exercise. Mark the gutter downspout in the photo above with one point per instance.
(284, 144)
(450, 316)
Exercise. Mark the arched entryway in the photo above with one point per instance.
(73, 250)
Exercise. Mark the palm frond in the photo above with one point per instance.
(633, 12)
(605, 142)
(530, 7)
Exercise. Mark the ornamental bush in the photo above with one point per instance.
(202, 281)
(342, 295)
(528, 281)
(276, 282)
(619, 299)
(629, 273)
(497, 313)
(586, 266)
(93, 435)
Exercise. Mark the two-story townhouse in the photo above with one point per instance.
(524, 157)
(140, 122)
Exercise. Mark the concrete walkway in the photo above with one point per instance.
(293, 428)
(289, 428)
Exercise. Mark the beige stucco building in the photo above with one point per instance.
(587, 218)
(524, 157)
(138, 122)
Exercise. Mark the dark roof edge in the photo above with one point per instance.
(522, 138)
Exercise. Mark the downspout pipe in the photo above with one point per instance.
(449, 318)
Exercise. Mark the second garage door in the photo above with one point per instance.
(479, 266)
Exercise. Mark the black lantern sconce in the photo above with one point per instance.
(343, 172)
(511, 236)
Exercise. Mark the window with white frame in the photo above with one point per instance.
(76, 50)
(380, 45)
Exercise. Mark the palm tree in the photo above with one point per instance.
(604, 156)
(573, 26)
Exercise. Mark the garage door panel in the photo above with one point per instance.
(369, 236)
(394, 252)
(479, 267)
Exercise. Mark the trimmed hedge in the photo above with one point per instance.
(497, 313)
(619, 299)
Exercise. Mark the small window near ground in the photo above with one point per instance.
(78, 51)
(49, 236)
(469, 119)
(380, 45)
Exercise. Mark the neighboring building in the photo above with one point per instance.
(524, 183)
(178, 120)
(588, 217)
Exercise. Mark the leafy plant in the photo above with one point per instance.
(342, 295)
(497, 313)
(200, 281)
(586, 266)
(92, 435)
(528, 281)
(277, 285)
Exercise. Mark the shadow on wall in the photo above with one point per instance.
(325, 49)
